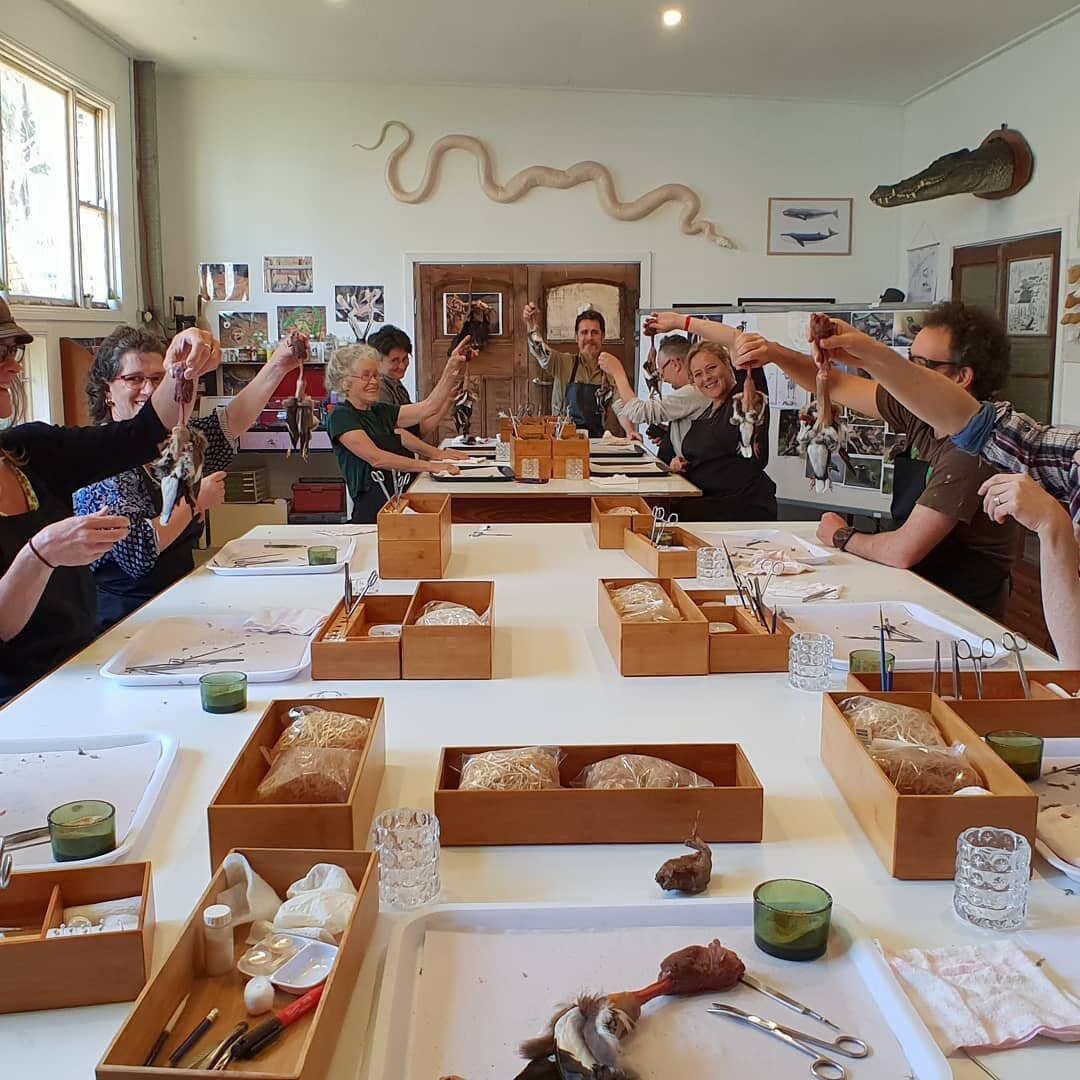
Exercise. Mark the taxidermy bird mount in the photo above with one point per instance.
(1000, 166)
(691, 222)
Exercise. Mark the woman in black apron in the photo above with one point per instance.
(734, 488)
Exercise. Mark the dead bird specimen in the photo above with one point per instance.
(300, 406)
(689, 874)
(180, 468)
(826, 435)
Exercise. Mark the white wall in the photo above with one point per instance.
(42, 29)
(1032, 87)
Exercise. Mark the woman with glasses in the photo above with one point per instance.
(13, 342)
(48, 610)
(369, 435)
(128, 367)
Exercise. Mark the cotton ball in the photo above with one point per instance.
(972, 791)
(259, 995)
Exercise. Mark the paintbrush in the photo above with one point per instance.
(166, 1031)
(884, 681)
(734, 576)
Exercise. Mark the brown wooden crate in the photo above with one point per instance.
(608, 529)
(750, 648)
(359, 656)
(659, 562)
(449, 652)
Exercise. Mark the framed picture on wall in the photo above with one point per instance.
(809, 226)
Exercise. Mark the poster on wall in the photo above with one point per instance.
(922, 263)
(784, 392)
(243, 329)
(787, 440)
(306, 318)
(224, 281)
(360, 303)
(1028, 311)
(810, 226)
(288, 274)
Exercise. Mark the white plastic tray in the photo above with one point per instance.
(464, 984)
(263, 657)
(842, 620)
(1058, 752)
(40, 774)
(294, 559)
(795, 547)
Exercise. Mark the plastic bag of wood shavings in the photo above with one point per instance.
(927, 770)
(629, 511)
(645, 601)
(874, 719)
(527, 768)
(309, 774)
(446, 613)
(312, 726)
(637, 771)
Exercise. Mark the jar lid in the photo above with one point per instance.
(217, 915)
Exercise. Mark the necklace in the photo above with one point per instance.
(32, 503)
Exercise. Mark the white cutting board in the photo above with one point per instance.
(294, 560)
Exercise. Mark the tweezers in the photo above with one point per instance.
(218, 1056)
(26, 838)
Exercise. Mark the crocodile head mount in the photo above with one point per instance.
(1000, 167)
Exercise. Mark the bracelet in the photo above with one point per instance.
(30, 545)
(686, 325)
(842, 537)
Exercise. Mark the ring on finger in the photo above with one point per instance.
(998, 500)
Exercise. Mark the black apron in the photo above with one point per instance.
(734, 488)
(580, 400)
(120, 594)
(368, 503)
(969, 575)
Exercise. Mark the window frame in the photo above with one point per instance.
(78, 96)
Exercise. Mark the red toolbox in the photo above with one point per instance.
(318, 495)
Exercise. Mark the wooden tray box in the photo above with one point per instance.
(731, 812)
(660, 562)
(305, 1050)
(608, 528)
(751, 648)
(569, 430)
(915, 835)
(93, 969)
(449, 652)
(417, 545)
(236, 820)
(531, 427)
(999, 685)
(1049, 718)
(569, 448)
(531, 448)
(359, 656)
(654, 648)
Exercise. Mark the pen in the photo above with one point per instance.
(201, 1028)
(166, 1031)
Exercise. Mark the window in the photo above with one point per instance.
(56, 232)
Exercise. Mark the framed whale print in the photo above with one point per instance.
(809, 226)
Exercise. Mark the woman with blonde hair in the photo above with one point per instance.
(369, 435)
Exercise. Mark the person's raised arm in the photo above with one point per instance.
(360, 444)
(245, 408)
(668, 322)
(442, 394)
(190, 355)
(631, 410)
(539, 349)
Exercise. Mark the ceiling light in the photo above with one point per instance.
(672, 17)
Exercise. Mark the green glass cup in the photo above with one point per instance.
(868, 662)
(792, 919)
(223, 691)
(1019, 750)
(82, 830)
(322, 555)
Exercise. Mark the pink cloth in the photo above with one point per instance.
(985, 997)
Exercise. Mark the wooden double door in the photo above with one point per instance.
(504, 376)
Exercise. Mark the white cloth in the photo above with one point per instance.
(617, 481)
(1058, 827)
(984, 997)
(796, 591)
(101, 910)
(322, 900)
(303, 621)
(248, 896)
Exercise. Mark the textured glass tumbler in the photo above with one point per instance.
(810, 662)
(407, 843)
(575, 469)
(993, 867)
(530, 468)
(711, 564)
(502, 452)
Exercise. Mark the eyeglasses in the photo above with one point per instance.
(12, 352)
(366, 376)
(137, 382)
(932, 365)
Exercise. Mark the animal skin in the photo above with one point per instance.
(691, 222)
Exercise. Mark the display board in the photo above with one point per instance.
(866, 484)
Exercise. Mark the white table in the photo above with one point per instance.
(555, 681)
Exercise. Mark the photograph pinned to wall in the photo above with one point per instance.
(878, 324)
(837, 470)
(563, 303)
(906, 326)
(360, 303)
(306, 318)
(810, 226)
(458, 305)
(243, 329)
(224, 281)
(288, 274)
(887, 472)
(787, 438)
(895, 443)
(784, 392)
(1028, 311)
(864, 472)
(798, 326)
(922, 263)
(866, 438)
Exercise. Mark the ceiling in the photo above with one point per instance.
(829, 50)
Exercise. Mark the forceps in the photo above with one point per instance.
(661, 521)
(964, 651)
(1016, 644)
(824, 1068)
(5, 866)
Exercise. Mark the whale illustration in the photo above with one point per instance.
(804, 238)
(805, 214)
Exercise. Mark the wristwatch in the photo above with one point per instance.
(841, 537)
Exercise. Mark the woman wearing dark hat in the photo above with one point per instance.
(13, 342)
(48, 607)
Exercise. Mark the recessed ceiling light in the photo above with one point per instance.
(672, 17)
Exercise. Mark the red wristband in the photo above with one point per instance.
(686, 325)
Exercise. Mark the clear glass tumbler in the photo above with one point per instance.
(993, 867)
(810, 662)
(407, 843)
(711, 564)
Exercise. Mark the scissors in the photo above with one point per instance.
(380, 478)
(964, 651)
(1016, 644)
(824, 1068)
(5, 866)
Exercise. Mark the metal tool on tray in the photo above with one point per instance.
(380, 478)
(935, 684)
(824, 1068)
(209, 658)
(1016, 644)
(966, 651)
(661, 520)
(783, 999)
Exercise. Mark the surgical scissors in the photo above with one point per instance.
(1016, 644)
(824, 1068)
(965, 651)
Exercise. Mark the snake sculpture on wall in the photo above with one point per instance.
(520, 183)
